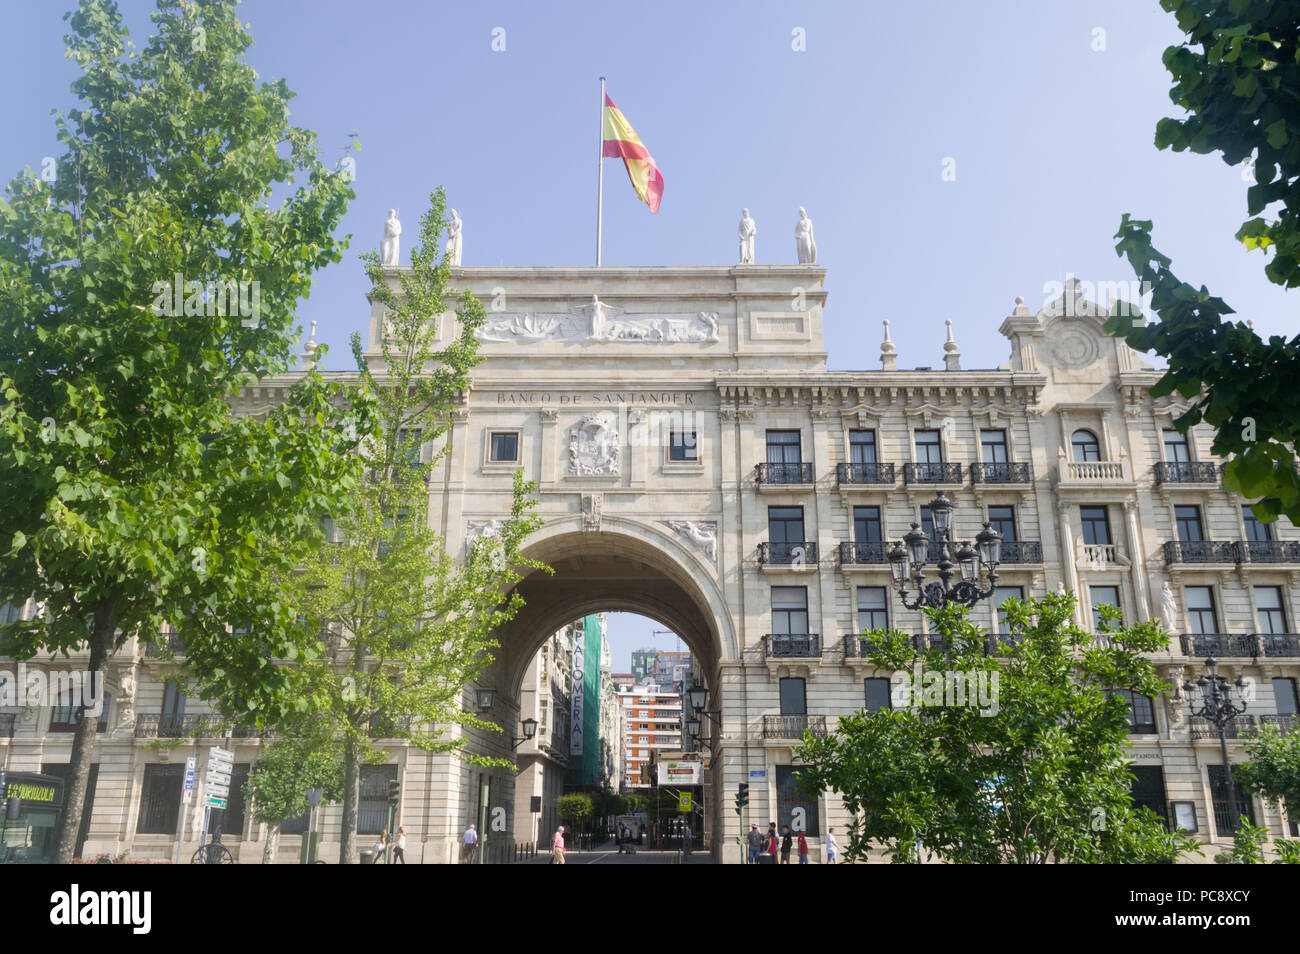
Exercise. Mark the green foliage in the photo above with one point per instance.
(1272, 769)
(132, 495)
(574, 808)
(277, 785)
(1246, 846)
(1288, 851)
(1032, 770)
(1240, 90)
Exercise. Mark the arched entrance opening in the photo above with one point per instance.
(617, 570)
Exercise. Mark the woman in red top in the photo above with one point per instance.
(803, 849)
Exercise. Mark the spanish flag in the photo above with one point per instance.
(621, 141)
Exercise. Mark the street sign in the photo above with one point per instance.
(684, 802)
(215, 790)
(220, 766)
(212, 802)
(217, 778)
(313, 796)
(190, 764)
(225, 755)
(758, 773)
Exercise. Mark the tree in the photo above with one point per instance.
(1241, 90)
(139, 290)
(1272, 769)
(1026, 764)
(574, 809)
(410, 625)
(277, 785)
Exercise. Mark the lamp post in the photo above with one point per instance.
(907, 561)
(530, 730)
(1218, 708)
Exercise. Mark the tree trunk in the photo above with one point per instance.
(351, 796)
(272, 844)
(83, 740)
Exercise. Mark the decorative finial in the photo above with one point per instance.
(1250, 323)
(309, 351)
(888, 353)
(1020, 308)
(951, 354)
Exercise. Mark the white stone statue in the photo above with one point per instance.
(454, 238)
(599, 318)
(390, 246)
(1168, 607)
(747, 231)
(703, 534)
(804, 243)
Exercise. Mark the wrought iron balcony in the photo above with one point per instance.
(793, 726)
(857, 646)
(864, 473)
(1268, 551)
(864, 553)
(1200, 551)
(1219, 644)
(925, 473)
(1187, 472)
(935, 642)
(798, 473)
(153, 725)
(173, 642)
(1022, 551)
(1283, 723)
(794, 553)
(792, 645)
(1005, 473)
(1242, 727)
(1280, 644)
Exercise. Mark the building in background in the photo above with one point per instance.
(652, 721)
(611, 725)
(672, 669)
(588, 647)
(643, 662)
(543, 760)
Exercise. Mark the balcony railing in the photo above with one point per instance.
(864, 553)
(1187, 472)
(1219, 644)
(1005, 473)
(857, 646)
(1280, 644)
(864, 473)
(792, 645)
(1098, 555)
(926, 473)
(795, 553)
(793, 726)
(799, 473)
(1268, 551)
(173, 642)
(1200, 551)
(1093, 471)
(1242, 727)
(1283, 723)
(1022, 551)
(153, 725)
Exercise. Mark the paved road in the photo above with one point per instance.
(611, 856)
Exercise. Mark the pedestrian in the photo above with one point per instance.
(557, 847)
(787, 842)
(399, 846)
(378, 847)
(832, 846)
(688, 838)
(755, 842)
(469, 844)
(803, 849)
(770, 845)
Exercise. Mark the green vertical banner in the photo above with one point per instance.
(591, 690)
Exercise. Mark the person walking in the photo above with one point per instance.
(688, 839)
(770, 845)
(399, 846)
(557, 847)
(803, 849)
(378, 848)
(755, 843)
(469, 844)
(787, 842)
(832, 846)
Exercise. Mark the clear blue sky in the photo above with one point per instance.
(1052, 142)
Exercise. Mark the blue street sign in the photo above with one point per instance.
(758, 773)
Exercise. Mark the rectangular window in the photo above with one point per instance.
(872, 610)
(866, 525)
(1148, 790)
(1256, 532)
(1224, 823)
(784, 526)
(160, 799)
(928, 448)
(1188, 521)
(1200, 609)
(793, 699)
(64, 718)
(1176, 451)
(505, 446)
(682, 446)
(793, 810)
(993, 446)
(60, 770)
(1285, 699)
(1003, 520)
(372, 807)
(1096, 526)
(790, 610)
(1102, 596)
(407, 450)
(862, 447)
(1141, 716)
(783, 447)
(1006, 593)
(877, 694)
(1268, 604)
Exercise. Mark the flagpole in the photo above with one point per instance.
(600, 176)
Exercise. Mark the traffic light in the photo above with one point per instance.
(394, 792)
(742, 797)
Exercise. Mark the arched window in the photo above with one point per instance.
(1085, 445)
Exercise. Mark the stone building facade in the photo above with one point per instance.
(698, 464)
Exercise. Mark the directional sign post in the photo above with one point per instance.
(216, 783)
(190, 764)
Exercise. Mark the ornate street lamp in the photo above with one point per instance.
(907, 560)
(530, 730)
(1217, 708)
(485, 697)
